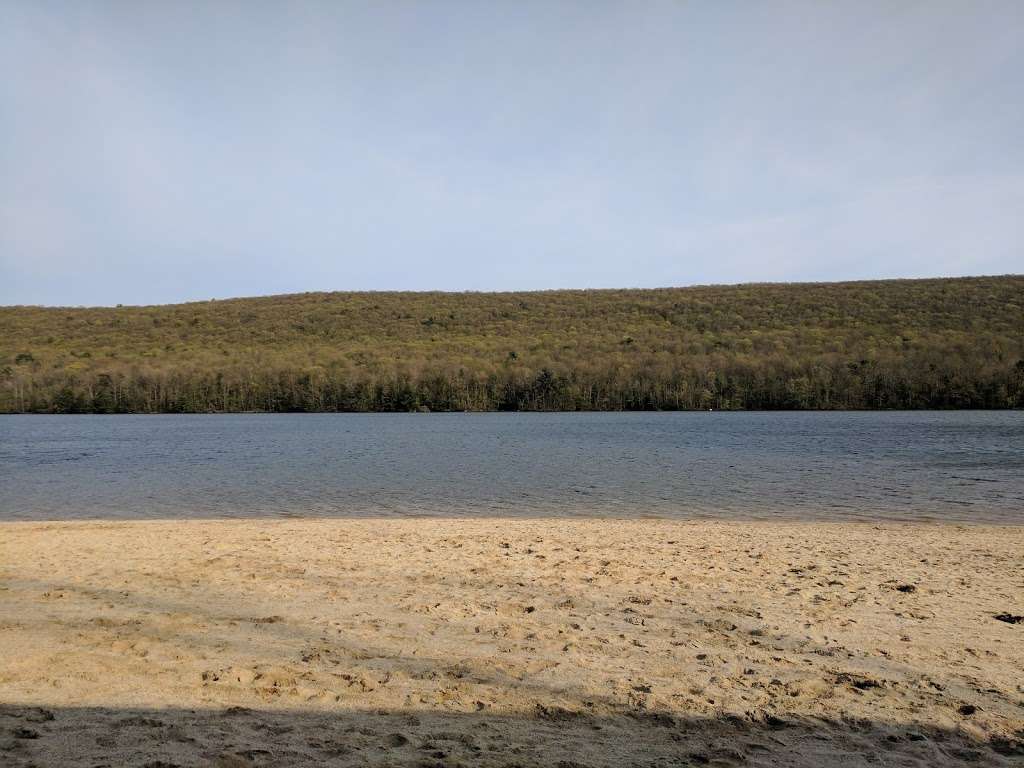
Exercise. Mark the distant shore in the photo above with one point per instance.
(883, 344)
(428, 411)
(500, 643)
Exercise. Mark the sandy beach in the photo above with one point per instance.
(510, 643)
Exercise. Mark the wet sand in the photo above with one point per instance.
(510, 643)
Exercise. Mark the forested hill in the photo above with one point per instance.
(888, 344)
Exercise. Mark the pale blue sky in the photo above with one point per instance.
(154, 152)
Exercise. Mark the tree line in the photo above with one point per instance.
(944, 343)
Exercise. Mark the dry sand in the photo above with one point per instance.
(509, 643)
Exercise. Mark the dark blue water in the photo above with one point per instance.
(951, 466)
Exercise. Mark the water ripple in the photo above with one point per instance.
(957, 466)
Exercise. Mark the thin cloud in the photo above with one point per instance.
(153, 153)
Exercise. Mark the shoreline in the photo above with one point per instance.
(930, 409)
(779, 520)
(496, 642)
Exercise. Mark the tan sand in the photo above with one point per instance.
(509, 643)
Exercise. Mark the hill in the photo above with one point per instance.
(935, 343)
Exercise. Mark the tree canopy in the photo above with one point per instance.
(937, 343)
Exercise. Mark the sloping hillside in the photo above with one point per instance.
(883, 344)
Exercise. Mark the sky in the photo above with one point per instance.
(155, 152)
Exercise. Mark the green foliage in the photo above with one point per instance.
(943, 343)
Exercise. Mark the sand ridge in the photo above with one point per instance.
(509, 642)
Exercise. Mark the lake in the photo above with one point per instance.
(965, 466)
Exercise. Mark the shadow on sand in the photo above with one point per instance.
(242, 738)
